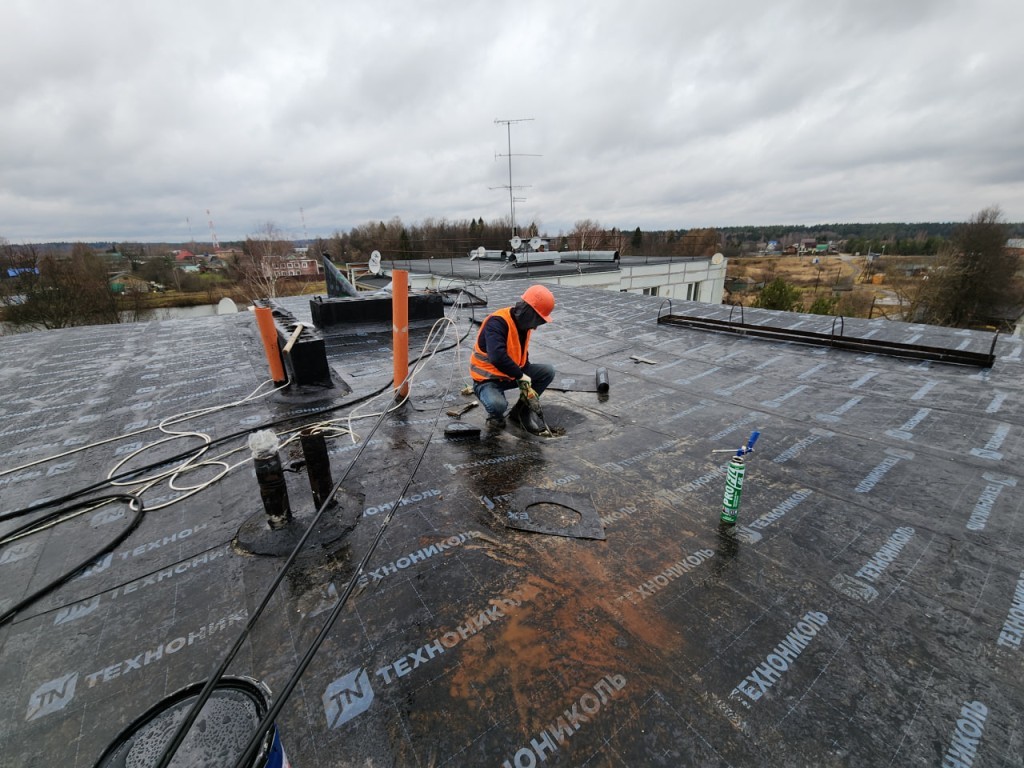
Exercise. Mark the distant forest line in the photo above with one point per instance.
(882, 231)
(441, 237)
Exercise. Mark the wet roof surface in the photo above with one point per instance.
(867, 609)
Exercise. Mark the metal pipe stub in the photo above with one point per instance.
(318, 465)
(602, 381)
(273, 490)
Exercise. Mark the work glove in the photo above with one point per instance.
(526, 387)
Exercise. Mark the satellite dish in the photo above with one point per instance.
(717, 259)
(479, 253)
(515, 242)
(535, 243)
(375, 262)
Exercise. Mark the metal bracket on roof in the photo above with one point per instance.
(588, 527)
(833, 339)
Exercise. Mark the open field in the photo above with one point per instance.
(844, 277)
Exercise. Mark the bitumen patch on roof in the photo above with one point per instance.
(866, 609)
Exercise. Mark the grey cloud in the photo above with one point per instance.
(655, 114)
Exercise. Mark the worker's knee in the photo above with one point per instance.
(542, 374)
(491, 398)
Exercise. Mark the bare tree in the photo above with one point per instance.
(698, 242)
(587, 235)
(11, 266)
(162, 270)
(63, 292)
(974, 277)
(375, 236)
(260, 261)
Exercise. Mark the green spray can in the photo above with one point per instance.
(734, 473)
(733, 489)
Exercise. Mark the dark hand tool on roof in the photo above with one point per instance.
(456, 413)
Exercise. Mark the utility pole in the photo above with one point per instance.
(512, 199)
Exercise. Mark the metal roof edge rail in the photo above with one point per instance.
(662, 306)
(872, 346)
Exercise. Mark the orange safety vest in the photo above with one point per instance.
(480, 367)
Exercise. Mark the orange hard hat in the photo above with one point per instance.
(542, 301)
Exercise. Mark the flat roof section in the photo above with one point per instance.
(867, 608)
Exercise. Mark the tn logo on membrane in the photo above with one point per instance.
(347, 697)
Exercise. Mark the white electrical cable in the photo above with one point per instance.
(169, 420)
(409, 379)
(192, 464)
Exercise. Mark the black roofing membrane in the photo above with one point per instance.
(867, 608)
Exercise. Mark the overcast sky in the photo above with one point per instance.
(130, 120)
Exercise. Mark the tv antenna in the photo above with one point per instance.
(512, 199)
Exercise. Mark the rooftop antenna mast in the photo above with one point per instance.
(512, 199)
(305, 234)
(216, 245)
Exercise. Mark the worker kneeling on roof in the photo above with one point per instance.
(501, 357)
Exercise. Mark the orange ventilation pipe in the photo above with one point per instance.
(268, 333)
(400, 330)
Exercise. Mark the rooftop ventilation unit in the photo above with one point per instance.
(538, 258)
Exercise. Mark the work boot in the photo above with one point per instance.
(526, 418)
(516, 414)
(494, 423)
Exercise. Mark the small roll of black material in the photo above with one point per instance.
(602, 380)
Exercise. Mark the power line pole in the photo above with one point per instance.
(511, 189)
